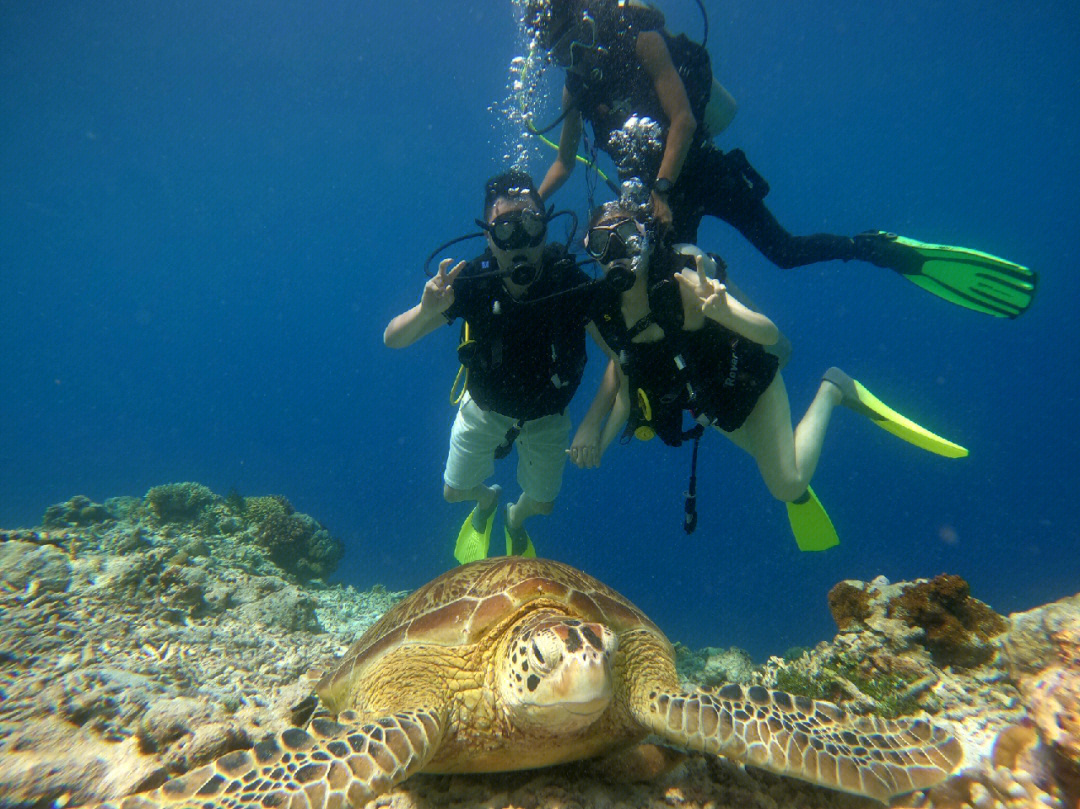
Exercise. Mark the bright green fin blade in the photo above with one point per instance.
(960, 275)
(862, 401)
(901, 426)
(529, 550)
(471, 544)
(810, 523)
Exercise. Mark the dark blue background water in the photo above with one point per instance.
(210, 211)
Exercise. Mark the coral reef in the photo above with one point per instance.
(78, 511)
(122, 664)
(180, 502)
(135, 647)
(849, 605)
(294, 543)
(298, 544)
(711, 667)
(957, 626)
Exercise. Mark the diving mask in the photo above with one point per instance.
(614, 241)
(621, 247)
(578, 40)
(515, 230)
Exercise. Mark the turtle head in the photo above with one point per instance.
(556, 672)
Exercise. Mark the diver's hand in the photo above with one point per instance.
(711, 294)
(438, 292)
(584, 452)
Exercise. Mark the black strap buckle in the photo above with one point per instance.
(504, 448)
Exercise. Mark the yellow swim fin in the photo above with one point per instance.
(521, 547)
(471, 544)
(810, 524)
(862, 401)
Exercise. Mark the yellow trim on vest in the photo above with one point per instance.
(462, 371)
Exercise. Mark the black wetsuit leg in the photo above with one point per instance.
(725, 185)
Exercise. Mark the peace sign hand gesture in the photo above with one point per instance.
(711, 294)
(438, 292)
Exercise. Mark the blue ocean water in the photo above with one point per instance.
(210, 211)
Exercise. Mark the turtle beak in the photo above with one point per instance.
(580, 682)
(560, 678)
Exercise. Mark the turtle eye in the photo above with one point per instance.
(543, 655)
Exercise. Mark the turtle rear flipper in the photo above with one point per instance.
(331, 763)
(806, 739)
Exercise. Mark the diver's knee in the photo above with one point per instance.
(452, 495)
(786, 491)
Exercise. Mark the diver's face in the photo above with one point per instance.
(614, 240)
(516, 233)
(575, 47)
(620, 248)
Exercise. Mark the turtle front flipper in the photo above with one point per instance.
(330, 764)
(803, 738)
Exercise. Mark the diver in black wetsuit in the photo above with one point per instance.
(622, 66)
(680, 343)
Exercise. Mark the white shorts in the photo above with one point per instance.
(541, 449)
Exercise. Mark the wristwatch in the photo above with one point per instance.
(663, 186)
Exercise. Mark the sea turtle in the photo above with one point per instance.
(512, 663)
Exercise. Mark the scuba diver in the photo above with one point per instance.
(622, 65)
(683, 343)
(525, 304)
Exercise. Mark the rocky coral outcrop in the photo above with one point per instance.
(133, 649)
(257, 532)
(711, 667)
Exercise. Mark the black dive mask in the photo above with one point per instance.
(516, 229)
(612, 242)
(618, 247)
(575, 44)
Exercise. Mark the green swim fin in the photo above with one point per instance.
(960, 275)
(472, 544)
(810, 524)
(524, 547)
(862, 401)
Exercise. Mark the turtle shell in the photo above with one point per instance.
(465, 603)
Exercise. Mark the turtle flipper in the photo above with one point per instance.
(807, 739)
(330, 764)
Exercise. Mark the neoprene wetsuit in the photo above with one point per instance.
(712, 182)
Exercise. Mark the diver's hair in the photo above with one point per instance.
(541, 14)
(615, 209)
(511, 185)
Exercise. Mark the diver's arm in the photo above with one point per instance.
(422, 319)
(705, 297)
(584, 450)
(781, 349)
(620, 410)
(655, 58)
(729, 312)
(569, 137)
